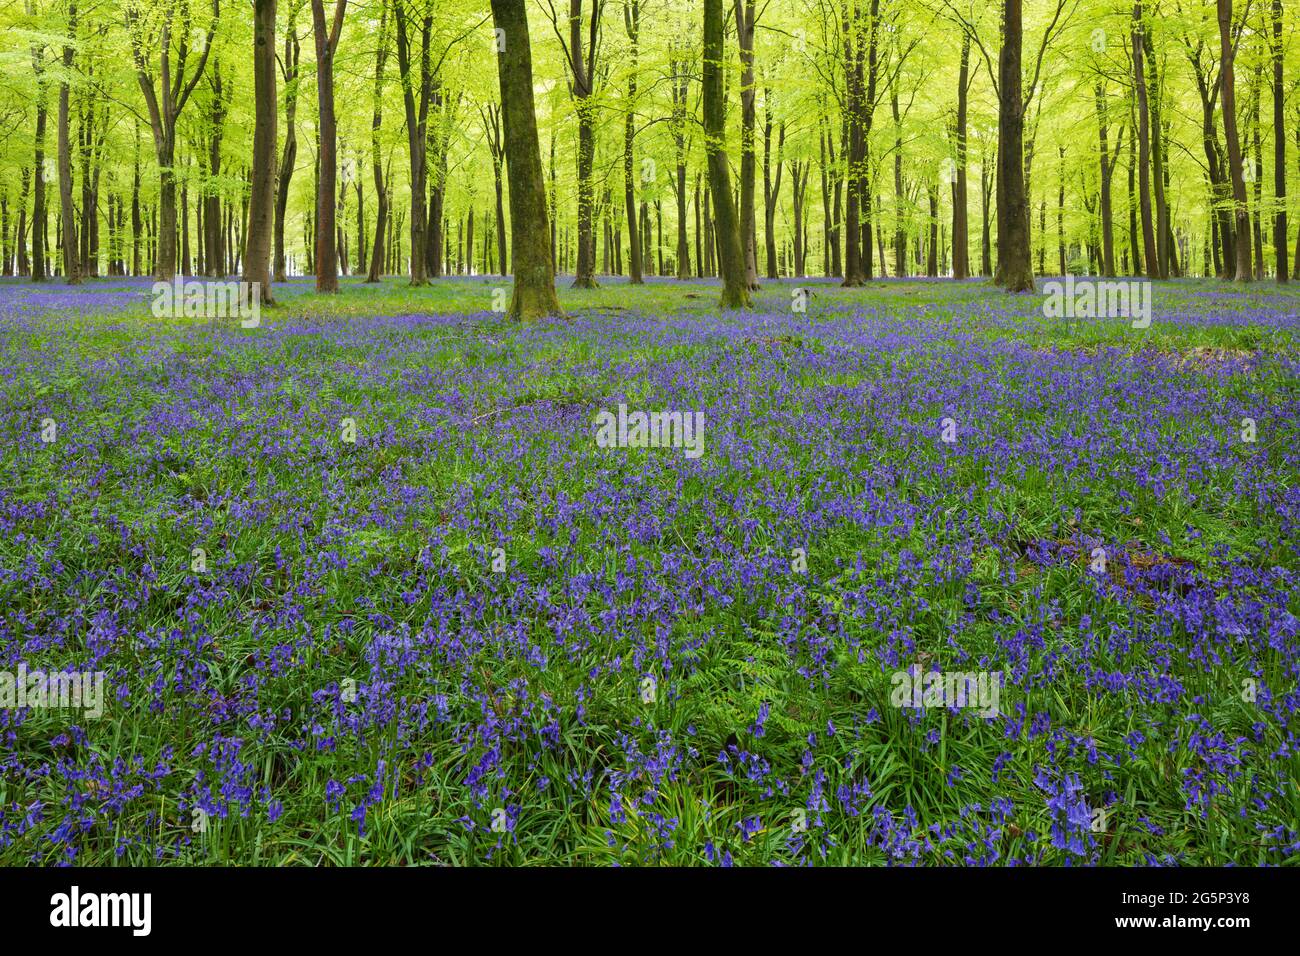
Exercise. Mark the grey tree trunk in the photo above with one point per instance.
(1241, 213)
(534, 287)
(67, 216)
(731, 255)
(1015, 268)
(960, 221)
(1279, 148)
(746, 15)
(1150, 254)
(327, 42)
(1107, 161)
(1152, 96)
(376, 158)
(771, 189)
(165, 104)
(632, 24)
(261, 197)
(289, 155)
(417, 119)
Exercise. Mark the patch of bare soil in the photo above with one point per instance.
(1209, 356)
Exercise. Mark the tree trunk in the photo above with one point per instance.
(136, 220)
(1241, 214)
(436, 166)
(986, 241)
(501, 220)
(900, 235)
(632, 24)
(860, 104)
(932, 252)
(24, 264)
(289, 156)
(799, 191)
(1060, 211)
(327, 40)
(534, 288)
(496, 149)
(1257, 224)
(647, 252)
(261, 197)
(67, 218)
(771, 186)
(659, 225)
(824, 174)
(469, 244)
(376, 157)
(731, 254)
(417, 120)
(1015, 267)
(1151, 96)
(1150, 255)
(1107, 168)
(164, 107)
(1220, 191)
(699, 245)
(746, 14)
(1279, 148)
(960, 222)
(681, 89)
(38, 201)
(214, 254)
(91, 136)
(186, 251)
(583, 71)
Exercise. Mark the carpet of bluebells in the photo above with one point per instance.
(432, 645)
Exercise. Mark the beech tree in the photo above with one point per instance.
(534, 295)
(417, 93)
(261, 200)
(71, 258)
(165, 97)
(1279, 146)
(731, 255)
(289, 72)
(376, 150)
(327, 43)
(632, 24)
(582, 56)
(1240, 211)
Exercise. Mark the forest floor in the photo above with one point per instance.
(364, 588)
